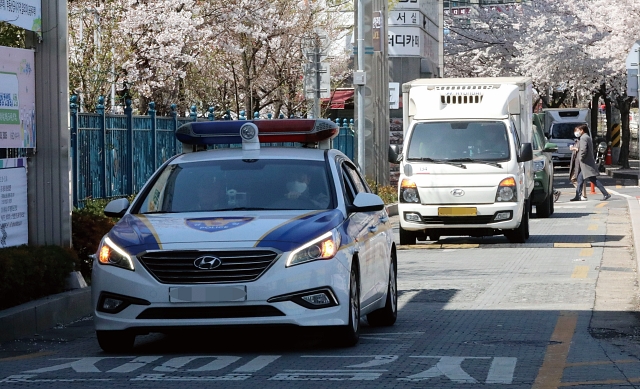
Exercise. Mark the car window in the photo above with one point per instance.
(240, 184)
(563, 130)
(516, 138)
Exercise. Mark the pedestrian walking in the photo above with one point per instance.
(574, 169)
(588, 168)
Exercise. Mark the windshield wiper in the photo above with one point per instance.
(441, 161)
(241, 209)
(496, 164)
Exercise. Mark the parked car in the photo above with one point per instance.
(542, 196)
(247, 236)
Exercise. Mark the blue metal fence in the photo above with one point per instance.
(114, 155)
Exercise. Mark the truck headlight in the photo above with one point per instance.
(110, 254)
(409, 192)
(324, 247)
(538, 166)
(507, 191)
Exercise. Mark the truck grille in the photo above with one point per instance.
(178, 267)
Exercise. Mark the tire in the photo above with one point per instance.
(387, 315)
(543, 210)
(552, 205)
(434, 238)
(520, 234)
(115, 341)
(407, 237)
(349, 335)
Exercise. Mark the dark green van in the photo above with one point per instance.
(542, 196)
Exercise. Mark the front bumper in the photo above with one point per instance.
(485, 218)
(277, 281)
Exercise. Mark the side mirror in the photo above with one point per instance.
(394, 154)
(116, 208)
(550, 148)
(526, 153)
(367, 202)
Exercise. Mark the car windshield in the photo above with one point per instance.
(563, 130)
(263, 184)
(446, 141)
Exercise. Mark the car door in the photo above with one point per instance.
(373, 243)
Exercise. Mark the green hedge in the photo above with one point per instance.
(32, 272)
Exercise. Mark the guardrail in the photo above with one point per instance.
(114, 155)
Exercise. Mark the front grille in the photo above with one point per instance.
(457, 219)
(210, 312)
(177, 267)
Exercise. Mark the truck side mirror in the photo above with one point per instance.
(394, 154)
(526, 152)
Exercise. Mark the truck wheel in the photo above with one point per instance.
(407, 237)
(520, 234)
(434, 238)
(543, 209)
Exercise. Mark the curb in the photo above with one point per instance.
(392, 209)
(35, 316)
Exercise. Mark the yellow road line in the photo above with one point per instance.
(555, 358)
(461, 246)
(601, 205)
(580, 272)
(586, 252)
(571, 245)
(592, 227)
(618, 186)
(27, 356)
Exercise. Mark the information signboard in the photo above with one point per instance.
(17, 98)
(14, 229)
(22, 13)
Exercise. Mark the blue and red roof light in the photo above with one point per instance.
(269, 131)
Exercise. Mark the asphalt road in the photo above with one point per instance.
(557, 311)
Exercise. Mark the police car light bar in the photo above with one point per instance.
(269, 131)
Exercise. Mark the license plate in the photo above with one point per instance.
(457, 211)
(208, 294)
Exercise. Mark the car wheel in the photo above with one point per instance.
(520, 234)
(434, 238)
(552, 200)
(350, 334)
(407, 237)
(386, 316)
(115, 341)
(543, 210)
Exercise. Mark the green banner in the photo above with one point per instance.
(9, 116)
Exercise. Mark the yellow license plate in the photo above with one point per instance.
(457, 211)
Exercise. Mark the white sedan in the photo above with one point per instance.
(247, 236)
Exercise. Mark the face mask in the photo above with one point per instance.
(577, 134)
(297, 186)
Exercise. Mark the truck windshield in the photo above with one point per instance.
(563, 130)
(446, 141)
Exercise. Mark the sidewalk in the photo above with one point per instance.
(625, 177)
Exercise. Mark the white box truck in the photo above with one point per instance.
(559, 124)
(466, 160)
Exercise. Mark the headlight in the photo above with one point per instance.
(110, 254)
(538, 166)
(507, 191)
(324, 247)
(409, 192)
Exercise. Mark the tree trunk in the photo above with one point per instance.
(624, 105)
(595, 100)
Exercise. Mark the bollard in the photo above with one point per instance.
(593, 188)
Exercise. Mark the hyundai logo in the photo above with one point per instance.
(207, 262)
(457, 192)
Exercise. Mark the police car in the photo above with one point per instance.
(247, 235)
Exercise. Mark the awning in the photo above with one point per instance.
(339, 98)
